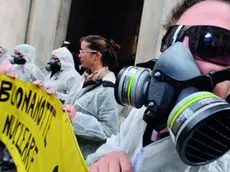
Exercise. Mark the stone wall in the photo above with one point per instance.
(151, 30)
(62, 24)
(14, 21)
(42, 28)
(41, 23)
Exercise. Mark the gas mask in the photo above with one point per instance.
(54, 65)
(179, 97)
(18, 59)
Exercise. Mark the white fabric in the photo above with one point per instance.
(64, 54)
(160, 156)
(68, 78)
(28, 52)
(29, 71)
(97, 115)
(5, 55)
(66, 42)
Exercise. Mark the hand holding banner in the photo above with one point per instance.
(37, 133)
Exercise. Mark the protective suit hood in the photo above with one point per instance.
(28, 52)
(5, 54)
(65, 56)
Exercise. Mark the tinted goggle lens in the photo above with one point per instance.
(207, 42)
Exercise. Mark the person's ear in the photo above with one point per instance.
(98, 55)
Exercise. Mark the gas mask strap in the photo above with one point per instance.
(147, 135)
(220, 76)
(203, 82)
(208, 81)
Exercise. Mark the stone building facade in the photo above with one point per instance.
(44, 24)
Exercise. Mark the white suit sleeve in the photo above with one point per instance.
(220, 165)
(75, 82)
(69, 84)
(90, 127)
(114, 142)
(37, 74)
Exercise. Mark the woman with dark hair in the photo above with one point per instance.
(93, 109)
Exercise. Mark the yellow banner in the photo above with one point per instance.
(36, 131)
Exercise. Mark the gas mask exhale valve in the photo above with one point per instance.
(18, 59)
(178, 96)
(54, 65)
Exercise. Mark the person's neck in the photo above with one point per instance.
(95, 68)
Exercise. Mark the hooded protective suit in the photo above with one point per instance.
(5, 55)
(28, 71)
(160, 156)
(67, 78)
(97, 114)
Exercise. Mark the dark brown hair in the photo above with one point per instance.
(109, 50)
(180, 9)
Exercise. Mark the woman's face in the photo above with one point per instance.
(1, 52)
(87, 58)
(215, 13)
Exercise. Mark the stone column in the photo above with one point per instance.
(63, 20)
(151, 30)
(13, 19)
(42, 28)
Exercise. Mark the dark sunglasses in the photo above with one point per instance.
(210, 43)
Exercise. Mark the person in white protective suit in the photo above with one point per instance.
(125, 151)
(3, 57)
(24, 66)
(21, 65)
(93, 110)
(3, 54)
(62, 76)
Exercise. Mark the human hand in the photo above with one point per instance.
(70, 110)
(12, 76)
(38, 83)
(113, 162)
(50, 91)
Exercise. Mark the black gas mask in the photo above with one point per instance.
(18, 58)
(54, 65)
(179, 97)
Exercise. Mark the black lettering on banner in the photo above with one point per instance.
(55, 169)
(32, 103)
(19, 94)
(19, 137)
(47, 122)
(22, 138)
(39, 118)
(13, 99)
(19, 146)
(6, 86)
(28, 157)
(7, 125)
(26, 101)
(14, 131)
(25, 149)
(37, 109)
(53, 114)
